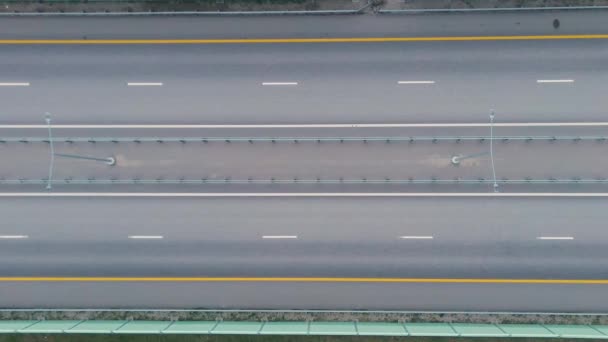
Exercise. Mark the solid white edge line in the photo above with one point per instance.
(14, 236)
(393, 125)
(145, 237)
(417, 237)
(279, 237)
(415, 82)
(279, 83)
(14, 84)
(303, 194)
(555, 238)
(554, 81)
(144, 84)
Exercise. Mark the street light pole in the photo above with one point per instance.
(457, 159)
(48, 124)
(492, 149)
(110, 160)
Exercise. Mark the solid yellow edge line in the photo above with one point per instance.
(296, 40)
(307, 279)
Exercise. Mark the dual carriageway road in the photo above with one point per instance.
(312, 87)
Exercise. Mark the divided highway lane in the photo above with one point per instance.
(471, 238)
(306, 83)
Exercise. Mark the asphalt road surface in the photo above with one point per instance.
(307, 83)
(304, 82)
(552, 81)
(469, 238)
(438, 24)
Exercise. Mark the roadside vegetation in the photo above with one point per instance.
(246, 338)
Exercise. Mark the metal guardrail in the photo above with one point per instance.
(176, 13)
(220, 327)
(472, 10)
(359, 10)
(229, 181)
(300, 139)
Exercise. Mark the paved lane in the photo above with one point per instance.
(336, 83)
(335, 237)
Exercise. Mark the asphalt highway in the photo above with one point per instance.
(306, 83)
(441, 81)
(470, 238)
(552, 246)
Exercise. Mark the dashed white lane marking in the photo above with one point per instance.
(145, 237)
(15, 84)
(144, 84)
(555, 238)
(416, 237)
(416, 82)
(14, 236)
(554, 81)
(279, 83)
(349, 125)
(279, 237)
